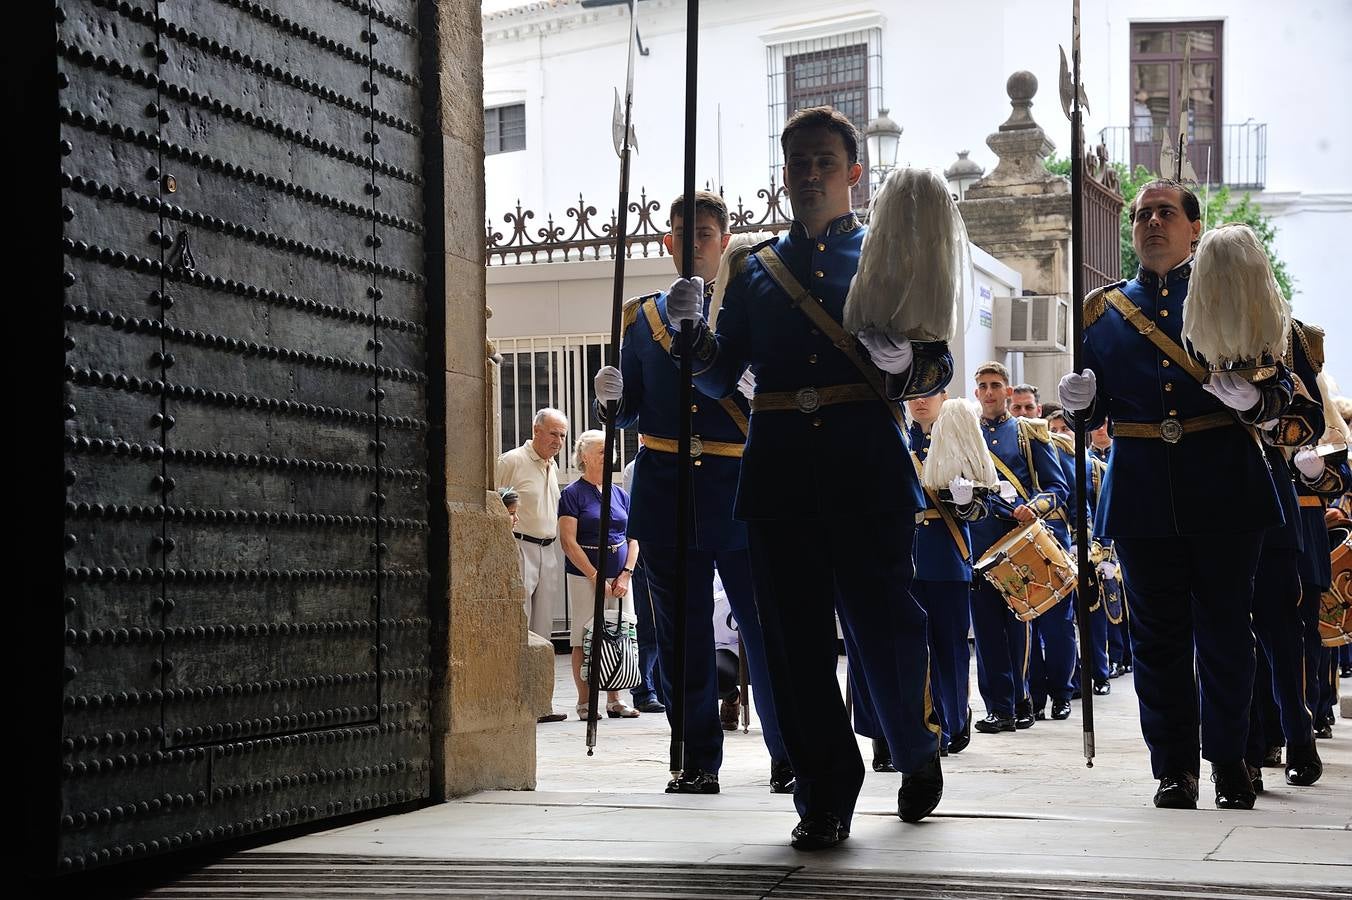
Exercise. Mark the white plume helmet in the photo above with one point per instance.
(957, 447)
(1235, 312)
(1335, 429)
(734, 258)
(915, 266)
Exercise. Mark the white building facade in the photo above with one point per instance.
(1262, 87)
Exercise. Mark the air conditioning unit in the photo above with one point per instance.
(1038, 323)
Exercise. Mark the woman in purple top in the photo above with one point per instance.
(579, 533)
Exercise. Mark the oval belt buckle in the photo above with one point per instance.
(808, 400)
(696, 447)
(1171, 430)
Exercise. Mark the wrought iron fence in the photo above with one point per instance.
(593, 237)
(1102, 204)
(1233, 155)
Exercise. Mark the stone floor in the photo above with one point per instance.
(1018, 806)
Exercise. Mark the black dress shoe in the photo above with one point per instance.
(693, 782)
(920, 791)
(882, 756)
(1177, 791)
(1324, 732)
(1255, 777)
(1272, 759)
(1023, 714)
(651, 706)
(1234, 789)
(1060, 709)
(1101, 686)
(1040, 715)
(959, 742)
(782, 779)
(1117, 670)
(994, 723)
(1303, 765)
(1345, 672)
(818, 831)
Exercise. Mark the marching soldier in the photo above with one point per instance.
(1186, 500)
(822, 424)
(647, 388)
(1024, 457)
(1107, 586)
(1114, 598)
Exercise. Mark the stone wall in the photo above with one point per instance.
(491, 681)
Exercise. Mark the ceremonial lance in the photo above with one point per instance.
(684, 487)
(1074, 103)
(622, 133)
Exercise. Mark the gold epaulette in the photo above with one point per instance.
(629, 314)
(1035, 428)
(1064, 441)
(1311, 339)
(1096, 301)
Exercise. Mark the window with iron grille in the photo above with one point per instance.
(504, 128)
(843, 71)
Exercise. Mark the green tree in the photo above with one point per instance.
(1219, 208)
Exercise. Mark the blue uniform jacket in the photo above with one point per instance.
(811, 465)
(937, 557)
(651, 396)
(1305, 358)
(1210, 482)
(1014, 442)
(1097, 476)
(1066, 456)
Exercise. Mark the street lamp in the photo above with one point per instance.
(882, 137)
(963, 174)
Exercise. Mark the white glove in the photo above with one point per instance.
(891, 357)
(746, 385)
(685, 300)
(1233, 390)
(609, 384)
(1007, 492)
(1107, 570)
(1077, 391)
(1309, 463)
(961, 489)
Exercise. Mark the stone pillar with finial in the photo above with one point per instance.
(1020, 214)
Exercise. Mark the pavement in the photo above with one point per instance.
(1016, 807)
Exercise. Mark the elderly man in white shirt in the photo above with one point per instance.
(531, 471)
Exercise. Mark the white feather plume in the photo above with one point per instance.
(957, 447)
(1235, 312)
(915, 266)
(734, 257)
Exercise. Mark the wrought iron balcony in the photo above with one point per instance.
(1233, 155)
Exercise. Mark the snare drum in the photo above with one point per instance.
(1335, 606)
(1030, 569)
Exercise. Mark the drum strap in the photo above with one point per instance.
(801, 298)
(1010, 476)
(944, 512)
(663, 338)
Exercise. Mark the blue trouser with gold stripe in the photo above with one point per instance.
(805, 572)
(703, 731)
(1190, 599)
(1051, 665)
(1280, 631)
(1001, 650)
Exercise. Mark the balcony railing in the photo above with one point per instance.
(1233, 155)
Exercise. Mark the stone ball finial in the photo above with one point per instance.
(1021, 86)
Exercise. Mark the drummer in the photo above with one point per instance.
(1051, 657)
(1002, 641)
(1187, 498)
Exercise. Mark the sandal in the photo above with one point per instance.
(618, 709)
(583, 711)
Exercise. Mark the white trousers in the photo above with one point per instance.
(542, 571)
